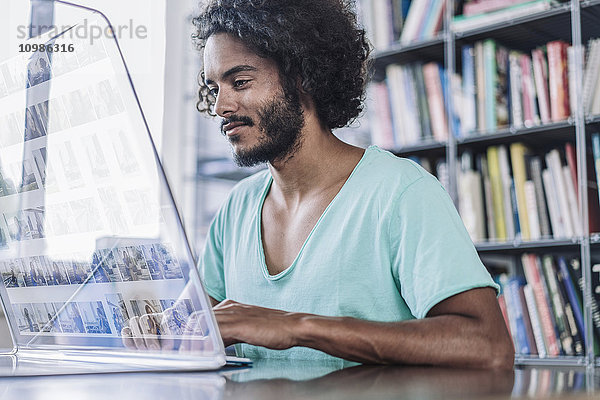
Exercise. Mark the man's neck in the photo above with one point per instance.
(321, 162)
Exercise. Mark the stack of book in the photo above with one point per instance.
(511, 193)
(405, 21)
(410, 107)
(543, 309)
(503, 87)
(383, 20)
(483, 13)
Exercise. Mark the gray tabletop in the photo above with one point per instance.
(297, 380)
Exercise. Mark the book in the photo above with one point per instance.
(540, 74)
(558, 81)
(462, 23)
(532, 210)
(596, 154)
(571, 65)
(516, 105)
(469, 123)
(515, 313)
(435, 96)
(482, 165)
(534, 278)
(554, 164)
(535, 169)
(490, 82)
(590, 75)
(530, 109)
(423, 105)
(534, 318)
(480, 85)
(517, 156)
(486, 6)
(414, 20)
(556, 220)
(572, 296)
(470, 196)
(527, 321)
(557, 306)
(497, 193)
(380, 118)
(571, 157)
(510, 206)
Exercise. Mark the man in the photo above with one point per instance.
(334, 251)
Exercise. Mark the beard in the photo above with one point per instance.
(280, 122)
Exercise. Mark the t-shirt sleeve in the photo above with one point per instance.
(210, 265)
(433, 255)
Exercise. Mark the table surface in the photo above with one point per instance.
(297, 380)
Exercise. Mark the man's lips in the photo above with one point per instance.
(233, 128)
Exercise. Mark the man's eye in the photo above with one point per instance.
(240, 83)
(213, 91)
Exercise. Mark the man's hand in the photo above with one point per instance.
(168, 331)
(241, 323)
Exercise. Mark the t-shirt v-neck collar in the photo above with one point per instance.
(258, 226)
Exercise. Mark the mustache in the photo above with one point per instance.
(237, 118)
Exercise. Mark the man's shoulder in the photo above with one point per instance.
(382, 168)
(249, 189)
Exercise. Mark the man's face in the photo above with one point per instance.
(261, 123)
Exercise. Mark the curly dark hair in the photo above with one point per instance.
(317, 42)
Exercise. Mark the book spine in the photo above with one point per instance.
(532, 273)
(558, 230)
(572, 163)
(532, 210)
(469, 124)
(510, 206)
(480, 85)
(412, 109)
(540, 73)
(571, 62)
(572, 200)
(382, 133)
(535, 321)
(515, 90)
(422, 99)
(491, 77)
(517, 156)
(558, 80)
(566, 338)
(527, 321)
(590, 76)
(516, 309)
(488, 197)
(529, 95)
(497, 192)
(596, 153)
(572, 304)
(555, 165)
(433, 86)
(535, 168)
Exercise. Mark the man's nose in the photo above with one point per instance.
(226, 103)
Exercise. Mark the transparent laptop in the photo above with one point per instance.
(97, 272)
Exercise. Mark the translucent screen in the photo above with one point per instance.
(91, 246)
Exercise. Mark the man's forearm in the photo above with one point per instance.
(465, 330)
(443, 340)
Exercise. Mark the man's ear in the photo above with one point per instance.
(306, 99)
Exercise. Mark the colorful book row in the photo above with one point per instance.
(512, 193)
(543, 309)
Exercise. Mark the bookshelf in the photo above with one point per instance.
(573, 22)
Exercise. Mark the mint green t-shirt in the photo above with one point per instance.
(389, 247)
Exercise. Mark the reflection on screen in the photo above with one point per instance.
(91, 247)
